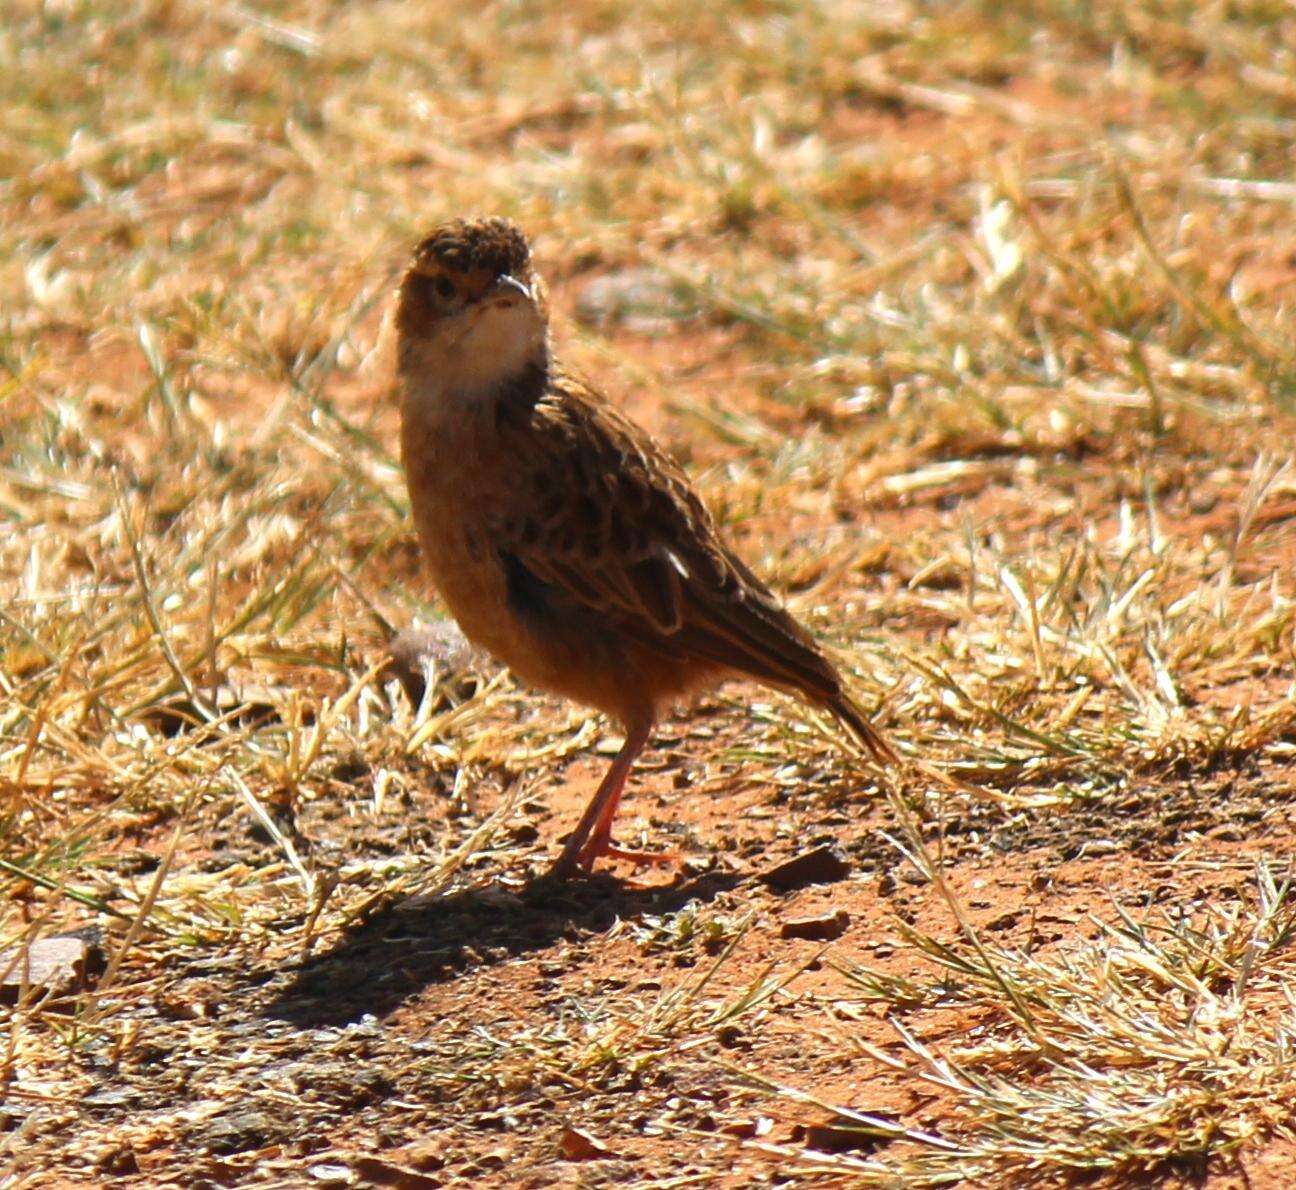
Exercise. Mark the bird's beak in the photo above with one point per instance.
(504, 283)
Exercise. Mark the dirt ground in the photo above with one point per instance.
(518, 1032)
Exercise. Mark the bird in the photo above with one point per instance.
(560, 536)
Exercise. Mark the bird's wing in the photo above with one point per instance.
(601, 513)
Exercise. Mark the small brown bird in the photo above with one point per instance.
(562, 538)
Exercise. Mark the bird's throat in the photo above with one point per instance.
(499, 355)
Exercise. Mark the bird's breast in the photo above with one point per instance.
(456, 490)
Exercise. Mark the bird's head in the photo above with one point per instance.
(471, 313)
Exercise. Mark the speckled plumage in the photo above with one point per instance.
(561, 536)
(466, 244)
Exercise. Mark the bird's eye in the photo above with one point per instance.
(444, 287)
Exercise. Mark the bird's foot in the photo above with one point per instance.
(583, 860)
(642, 859)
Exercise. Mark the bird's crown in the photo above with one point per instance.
(491, 245)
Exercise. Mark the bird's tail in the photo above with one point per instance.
(854, 719)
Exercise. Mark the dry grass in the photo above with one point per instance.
(972, 321)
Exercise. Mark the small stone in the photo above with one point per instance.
(426, 1155)
(499, 899)
(50, 967)
(238, 1132)
(581, 1146)
(829, 1138)
(118, 1160)
(730, 1036)
(822, 928)
(243, 706)
(378, 1171)
(823, 865)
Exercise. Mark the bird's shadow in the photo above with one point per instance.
(392, 955)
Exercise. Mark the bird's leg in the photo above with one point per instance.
(593, 833)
